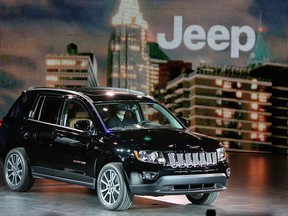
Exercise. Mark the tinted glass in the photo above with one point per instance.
(50, 110)
(22, 106)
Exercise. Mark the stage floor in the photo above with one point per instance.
(258, 186)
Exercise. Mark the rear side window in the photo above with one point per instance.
(22, 106)
(48, 109)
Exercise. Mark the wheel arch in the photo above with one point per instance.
(104, 159)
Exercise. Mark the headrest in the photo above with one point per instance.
(82, 115)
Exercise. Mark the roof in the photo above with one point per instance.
(98, 93)
(156, 53)
(276, 72)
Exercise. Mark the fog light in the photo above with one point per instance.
(228, 172)
(149, 175)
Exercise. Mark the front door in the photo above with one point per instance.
(71, 145)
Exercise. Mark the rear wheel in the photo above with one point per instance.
(202, 198)
(113, 192)
(17, 171)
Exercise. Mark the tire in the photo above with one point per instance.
(112, 190)
(202, 198)
(17, 172)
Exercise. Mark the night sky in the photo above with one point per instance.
(31, 29)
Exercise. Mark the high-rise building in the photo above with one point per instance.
(260, 54)
(262, 64)
(128, 52)
(225, 103)
(157, 57)
(279, 103)
(163, 69)
(74, 70)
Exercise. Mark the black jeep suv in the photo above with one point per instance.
(117, 141)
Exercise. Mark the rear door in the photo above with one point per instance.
(39, 129)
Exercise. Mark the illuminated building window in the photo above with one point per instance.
(227, 85)
(253, 136)
(219, 92)
(254, 86)
(239, 94)
(227, 113)
(262, 98)
(219, 122)
(254, 96)
(254, 126)
(262, 127)
(239, 125)
(219, 101)
(218, 112)
(219, 82)
(226, 123)
(239, 85)
(254, 106)
(254, 116)
(226, 144)
(262, 137)
(52, 78)
(218, 132)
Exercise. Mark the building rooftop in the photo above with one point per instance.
(156, 53)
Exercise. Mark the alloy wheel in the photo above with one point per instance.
(14, 170)
(110, 186)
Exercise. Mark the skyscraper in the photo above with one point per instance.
(260, 54)
(128, 52)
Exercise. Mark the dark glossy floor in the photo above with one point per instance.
(258, 186)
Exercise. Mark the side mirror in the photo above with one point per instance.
(84, 125)
(185, 121)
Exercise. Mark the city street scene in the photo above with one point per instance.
(121, 102)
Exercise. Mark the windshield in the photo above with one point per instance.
(130, 116)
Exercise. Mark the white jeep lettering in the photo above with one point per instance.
(235, 40)
(218, 38)
(161, 37)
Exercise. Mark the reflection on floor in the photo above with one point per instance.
(258, 186)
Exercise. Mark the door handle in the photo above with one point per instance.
(59, 134)
(26, 136)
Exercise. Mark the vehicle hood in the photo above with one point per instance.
(164, 140)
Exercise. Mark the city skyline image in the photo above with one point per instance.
(149, 46)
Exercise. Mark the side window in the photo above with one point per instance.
(22, 106)
(73, 111)
(34, 114)
(49, 109)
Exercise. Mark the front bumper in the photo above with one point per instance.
(182, 185)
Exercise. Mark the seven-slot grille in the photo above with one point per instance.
(198, 159)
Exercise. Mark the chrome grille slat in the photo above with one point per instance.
(196, 159)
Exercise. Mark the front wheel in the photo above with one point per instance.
(17, 171)
(112, 190)
(202, 198)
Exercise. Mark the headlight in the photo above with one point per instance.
(155, 157)
(221, 154)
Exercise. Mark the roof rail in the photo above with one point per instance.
(122, 89)
(88, 88)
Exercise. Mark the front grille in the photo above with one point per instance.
(198, 159)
